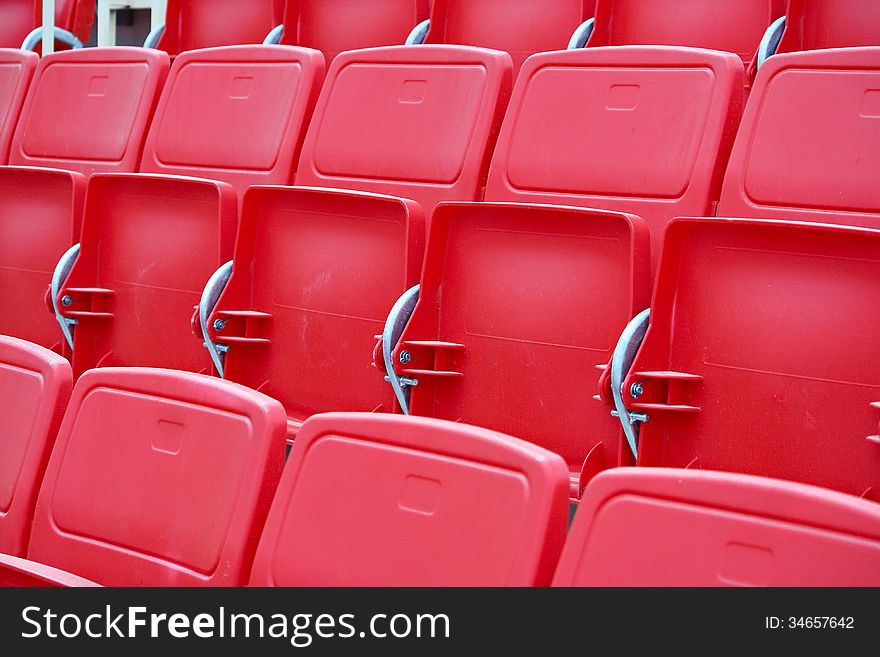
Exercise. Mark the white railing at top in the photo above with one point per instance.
(48, 26)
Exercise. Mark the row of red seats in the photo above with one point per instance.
(520, 305)
(161, 478)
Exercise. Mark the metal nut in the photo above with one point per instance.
(66, 301)
(219, 324)
(636, 390)
(405, 357)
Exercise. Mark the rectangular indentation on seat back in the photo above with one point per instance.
(20, 396)
(434, 510)
(552, 289)
(115, 487)
(333, 264)
(789, 313)
(84, 111)
(158, 234)
(816, 143)
(610, 131)
(227, 115)
(370, 131)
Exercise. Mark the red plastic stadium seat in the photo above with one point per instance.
(314, 275)
(815, 24)
(148, 245)
(435, 504)
(87, 110)
(518, 305)
(332, 26)
(809, 145)
(260, 98)
(192, 24)
(730, 25)
(645, 130)
(520, 27)
(159, 478)
(663, 527)
(16, 70)
(19, 17)
(761, 353)
(418, 123)
(34, 389)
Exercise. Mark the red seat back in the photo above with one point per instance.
(520, 27)
(314, 276)
(663, 527)
(19, 17)
(332, 26)
(16, 70)
(416, 122)
(193, 24)
(731, 25)
(88, 110)
(518, 306)
(260, 98)
(34, 389)
(815, 24)
(645, 130)
(809, 145)
(159, 478)
(761, 353)
(148, 246)
(382, 500)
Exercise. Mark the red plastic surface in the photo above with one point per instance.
(761, 351)
(192, 24)
(814, 24)
(261, 99)
(435, 504)
(19, 17)
(88, 110)
(16, 572)
(415, 122)
(16, 70)
(148, 246)
(809, 145)
(334, 26)
(518, 306)
(664, 527)
(34, 389)
(730, 25)
(520, 27)
(315, 274)
(40, 216)
(159, 478)
(645, 130)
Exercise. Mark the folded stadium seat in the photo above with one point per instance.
(87, 111)
(194, 24)
(480, 345)
(665, 527)
(818, 24)
(260, 98)
(336, 25)
(760, 356)
(35, 386)
(419, 123)
(16, 71)
(148, 244)
(520, 27)
(158, 478)
(730, 25)
(19, 19)
(436, 504)
(809, 145)
(651, 135)
(316, 271)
